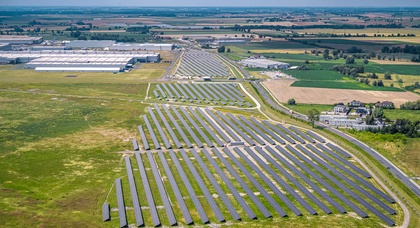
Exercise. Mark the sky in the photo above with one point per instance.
(261, 3)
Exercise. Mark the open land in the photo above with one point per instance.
(283, 91)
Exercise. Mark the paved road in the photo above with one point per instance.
(385, 162)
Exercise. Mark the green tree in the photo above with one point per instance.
(221, 49)
(313, 115)
(378, 112)
(350, 60)
(387, 76)
(291, 101)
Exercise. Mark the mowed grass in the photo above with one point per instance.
(152, 71)
(316, 75)
(304, 108)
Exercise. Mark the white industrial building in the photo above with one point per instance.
(77, 61)
(264, 63)
(14, 39)
(90, 43)
(140, 47)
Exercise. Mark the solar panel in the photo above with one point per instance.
(297, 138)
(339, 150)
(168, 127)
(159, 128)
(288, 176)
(106, 216)
(223, 125)
(214, 126)
(203, 187)
(360, 200)
(175, 189)
(152, 134)
(162, 191)
(135, 144)
(216, 186)
(121, 206)
(276, 137)
(178, 128)
(197, 128)
(343, 177)
(245, 187)
(189, 188)
(146, 187)
(229, 184)
(218, 141)
(237, 130)
(320, 180)
(267, 196)
(262, 134)
(133, 191)
(284, 136)
(315, 136)
(297, 131)
(184, 123)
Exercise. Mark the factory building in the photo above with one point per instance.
(77, 61)
(140, 47)
(264, 63)
(90, 43)
(49, 48)
(5, 47)
(14, 39)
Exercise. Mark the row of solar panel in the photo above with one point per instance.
(223, 93)
(339, 188)
(215, 130)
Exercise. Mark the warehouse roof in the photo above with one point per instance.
(97, 69)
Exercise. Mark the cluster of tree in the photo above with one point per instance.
(411, 49)
(373, 75)
(394, 25)
(378, 83)
(221, 49)
(349, 70)
(415, 59)
(140, 29)
(411, 105)
(247, 28)
(401, 126)
(291, 101)
(354, 49)
(413, 87)
(75, 28)
(364, 80)
(106, 36)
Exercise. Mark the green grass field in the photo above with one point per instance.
(341, 85)
(304, 108)
(317, 75)
(393, 114)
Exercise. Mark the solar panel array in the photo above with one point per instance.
(270, 176)
(217, 93)
(201, 63)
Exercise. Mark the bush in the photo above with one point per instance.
(350, 60)
(291, 101)
(387, 76)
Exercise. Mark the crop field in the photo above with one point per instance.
(283, 91)
(226, 94)
(200, 180)
(201, 63)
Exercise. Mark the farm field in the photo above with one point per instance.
(283, 91)
(352, 85)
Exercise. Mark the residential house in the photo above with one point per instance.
(340, 109)
(385, 104)
(355, 103)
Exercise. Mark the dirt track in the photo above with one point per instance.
(282, 90)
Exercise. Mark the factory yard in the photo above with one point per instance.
(282, 91)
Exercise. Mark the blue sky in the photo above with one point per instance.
(262, 3)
